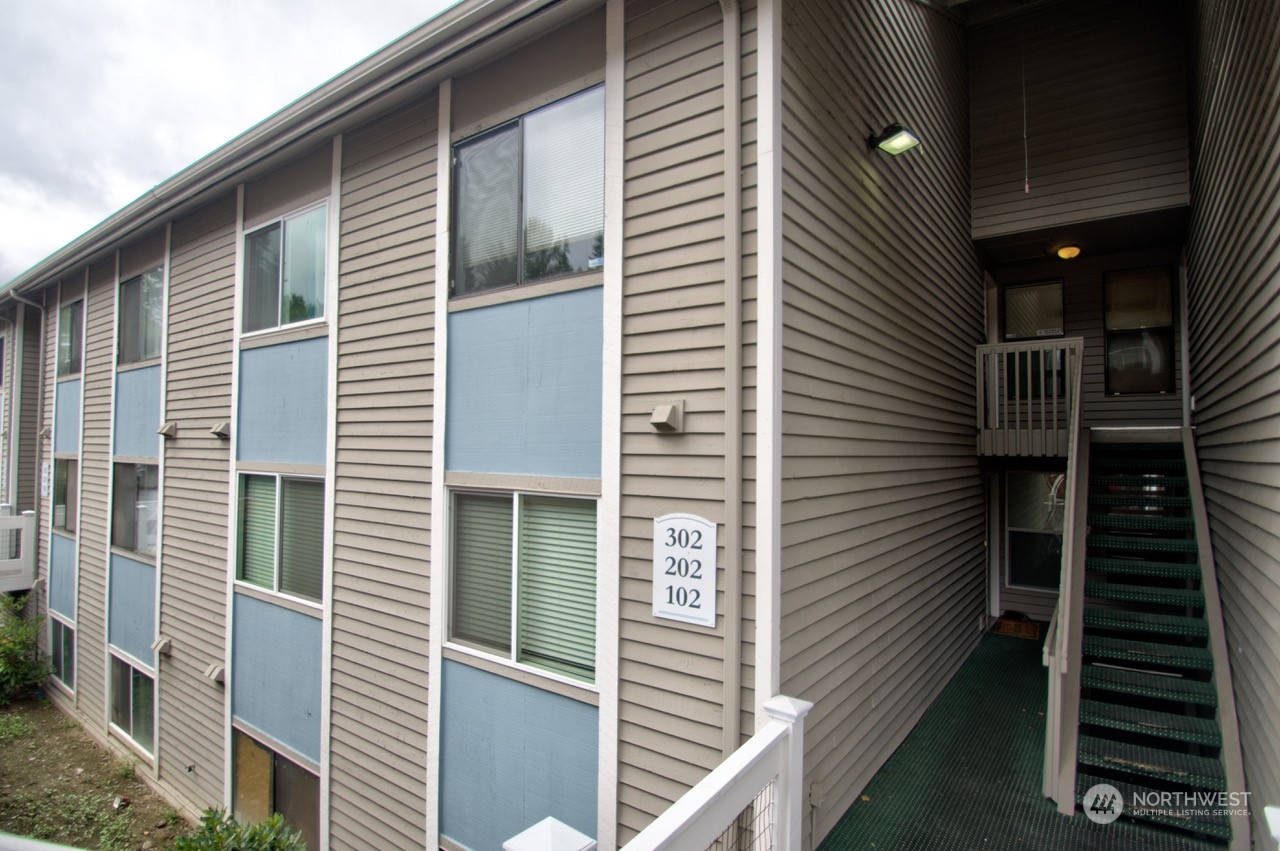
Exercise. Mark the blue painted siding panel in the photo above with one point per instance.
(66, 418)
(525, 386)
(511, 755)
(138, 413)
(284, 401)
(275, 673)
(62, 575)
(131, 624)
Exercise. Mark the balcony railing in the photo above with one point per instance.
(17, 551)
(753, 801)
(1027, 397)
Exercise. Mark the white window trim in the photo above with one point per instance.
(67, 623)
(318, 321)
(253, 589)
(164, 295)
(120, 732)
(510, 661)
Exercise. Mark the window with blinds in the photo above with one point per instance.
(141, 307)
(524, 579)
(530, 197)
(281, 535)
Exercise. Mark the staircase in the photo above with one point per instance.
(1148, 710)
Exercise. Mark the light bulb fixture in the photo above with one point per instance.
(1068, 252)
(894, 139)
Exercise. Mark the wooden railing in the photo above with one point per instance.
(758, 790)
(1028, 396)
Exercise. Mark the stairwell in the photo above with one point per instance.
(1149, 719)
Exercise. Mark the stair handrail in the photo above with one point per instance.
(1232, 761)
(1064, 689)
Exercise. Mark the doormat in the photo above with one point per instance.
(1017, 628)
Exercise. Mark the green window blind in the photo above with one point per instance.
(482, 571)
(302, 538)
(257, 556)
(557, 605)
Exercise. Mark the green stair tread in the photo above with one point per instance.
(1210, 824)
(1141, 543)
(1143, 522)
(1181, 597)
(1196, 771)
(1126, 449)
(1133, 653)
(1143, 567)
(1138, 500)
(1184, 728)
(1120, 480)
(1149, 685)
(1140, 464)
(1121, 619)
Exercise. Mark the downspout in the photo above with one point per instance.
(39, 394)
(732, 718)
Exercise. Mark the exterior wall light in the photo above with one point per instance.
(894, 140)
(1068, 252)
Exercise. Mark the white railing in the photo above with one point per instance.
(754, 799)
(1028, 395)
(1062, 646)
(17, 552)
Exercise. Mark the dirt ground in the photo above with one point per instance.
(56, 784)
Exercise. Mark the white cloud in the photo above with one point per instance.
(105, 100)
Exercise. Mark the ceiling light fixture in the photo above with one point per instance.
(1068, 252)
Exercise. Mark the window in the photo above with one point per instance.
(133, 697)
(141, 306)
(1035, 504)
(1033, 310)
(1139, 327)
(66, 485)
(134, 510)
(62, 652)
(264, 782)
(281, 543)
(284, 271)
(524, 579)
(70, 338)
(530, 197)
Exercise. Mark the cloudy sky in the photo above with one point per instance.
(103, 99)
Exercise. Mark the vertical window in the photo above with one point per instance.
(70, 338)
(141, 306)
(524, 579)
(66, 485)
(265, 782)
(1032, 311)
(135, 507)
(1035, 503)
(1139, 328)
(284, 271)
(62, 652)
(281, 535)
(530, 197)
(133, 703)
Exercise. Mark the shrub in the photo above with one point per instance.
(220, 832)
(22, 668)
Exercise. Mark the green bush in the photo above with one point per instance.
(22, 668)
(220, 832)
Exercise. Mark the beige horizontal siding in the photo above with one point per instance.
(883, 514)
(671, 676)
(1234, 282)
(95, 511)
(29, 414)
(382, 522)
(1101, 97)
(194, 575)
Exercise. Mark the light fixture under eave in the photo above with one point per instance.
(1068, 252)
(894, 139)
